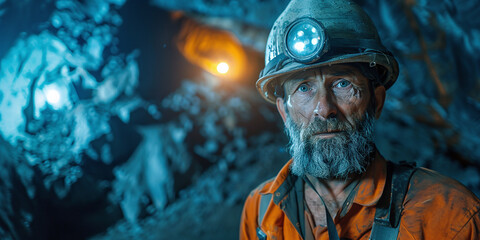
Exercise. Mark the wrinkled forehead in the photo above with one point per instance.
(337, 70)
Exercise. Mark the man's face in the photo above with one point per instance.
(328, 117)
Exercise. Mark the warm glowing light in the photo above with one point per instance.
(222, 67)
(217, 51)
(53, 96)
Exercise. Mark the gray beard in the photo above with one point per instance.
(338, 157)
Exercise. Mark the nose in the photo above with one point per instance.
(325, 108)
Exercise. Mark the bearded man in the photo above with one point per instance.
(327, 72)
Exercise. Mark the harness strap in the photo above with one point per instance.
(390, 206)
(264, 202)
(332, 230)
(388, 211)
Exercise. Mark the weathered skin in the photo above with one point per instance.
(340, 91)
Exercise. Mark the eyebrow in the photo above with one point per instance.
(301, 76)
(342, 73)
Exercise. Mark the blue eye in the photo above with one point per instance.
(343, 84)
(303, 88)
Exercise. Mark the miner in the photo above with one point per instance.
(327, 72)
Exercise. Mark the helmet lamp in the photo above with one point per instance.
(305, 40)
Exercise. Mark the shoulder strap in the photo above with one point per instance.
(264, 202)
(262, 208)
(390, 205)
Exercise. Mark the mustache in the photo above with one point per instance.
(323, 126)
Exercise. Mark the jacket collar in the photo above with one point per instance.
(372, 182)
(279, 179)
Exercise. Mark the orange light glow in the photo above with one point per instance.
(216, 51)
(222, 67)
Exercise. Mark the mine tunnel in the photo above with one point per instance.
(135, 119)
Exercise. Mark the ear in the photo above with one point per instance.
(380, 94)
(281, 109)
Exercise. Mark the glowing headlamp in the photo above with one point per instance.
(305, 40)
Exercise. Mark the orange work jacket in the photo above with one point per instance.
(435, 207)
